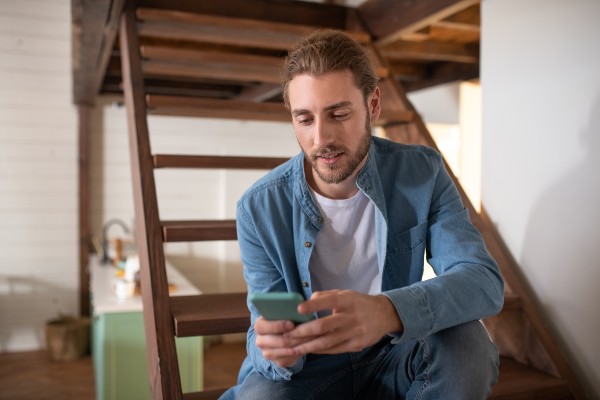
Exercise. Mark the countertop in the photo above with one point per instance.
(105, 301)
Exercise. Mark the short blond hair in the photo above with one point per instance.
(326, 51)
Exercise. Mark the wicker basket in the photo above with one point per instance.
(68, 338)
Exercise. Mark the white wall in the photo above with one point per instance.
(439, 104)
(541, 173)
(38, 171)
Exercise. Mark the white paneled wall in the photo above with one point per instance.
(38, 171)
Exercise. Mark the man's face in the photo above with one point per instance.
(332, 123)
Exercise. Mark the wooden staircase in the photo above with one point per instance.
(175, 59)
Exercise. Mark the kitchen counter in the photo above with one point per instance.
(105, 300)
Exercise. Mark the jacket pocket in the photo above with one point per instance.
(408, 240)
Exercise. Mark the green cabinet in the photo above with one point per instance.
(119, 342)
(119, 353)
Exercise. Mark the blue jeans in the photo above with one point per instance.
(459, 363)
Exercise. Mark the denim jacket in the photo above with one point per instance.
(419, 211)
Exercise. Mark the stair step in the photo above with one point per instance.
(205, 395)
(210, 314)
(224, 162)
(516, 382)
(520, 382)
(180, 25)
(183, 106)
(198, 231)
(511, 302)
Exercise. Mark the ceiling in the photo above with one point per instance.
(218, 50)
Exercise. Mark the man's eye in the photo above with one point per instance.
(304, 121)
(341, 117)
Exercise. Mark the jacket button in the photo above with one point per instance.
(304, 284)
(320, 220)
(307, 244)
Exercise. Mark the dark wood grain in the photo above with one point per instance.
(225, 162)
(210, 314)
(165, 383)
(197, 231)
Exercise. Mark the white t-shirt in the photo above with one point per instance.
(344, 255)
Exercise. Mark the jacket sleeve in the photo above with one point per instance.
(468, 285)
(262, 275)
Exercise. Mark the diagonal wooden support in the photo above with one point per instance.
(165, 383)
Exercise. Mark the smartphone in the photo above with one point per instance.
(278, 306)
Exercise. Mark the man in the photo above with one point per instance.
(346, 223)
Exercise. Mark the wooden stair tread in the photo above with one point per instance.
(516, 382)
(194, 231)
(183, 106)
(520, 382)
(224, 162)
(210, 314)
(511, 302)
(205, 395)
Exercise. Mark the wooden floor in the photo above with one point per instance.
(33, 376)
(221, 365)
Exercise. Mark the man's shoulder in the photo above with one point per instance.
(281, 176)
(404, 152)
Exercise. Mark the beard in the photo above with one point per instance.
(339, 172)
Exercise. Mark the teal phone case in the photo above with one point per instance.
(279, 306)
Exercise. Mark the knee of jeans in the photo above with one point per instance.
(466, 347)
(257, 387)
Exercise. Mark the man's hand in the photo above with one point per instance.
(272, 341)
(357, 321)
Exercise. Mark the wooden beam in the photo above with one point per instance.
(431, 51)
(469, 18)
(189, 88)
(288, 12)
(444, 73)
(165, 383)
(448, 32)
(84, 116)
(388, 20)
(177, 25)
(94, 29)
(203, 64)
(260, 92)
(407, 71)
(215, 108)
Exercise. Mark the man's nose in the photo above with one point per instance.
(324, 134)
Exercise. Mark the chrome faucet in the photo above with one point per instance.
(105, 258)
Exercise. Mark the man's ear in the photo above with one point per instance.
(375, 104)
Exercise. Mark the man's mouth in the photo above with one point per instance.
(330, 158)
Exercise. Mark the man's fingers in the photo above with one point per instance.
(264, 342)
(320, 301)
(264, 327)
(332, 343)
